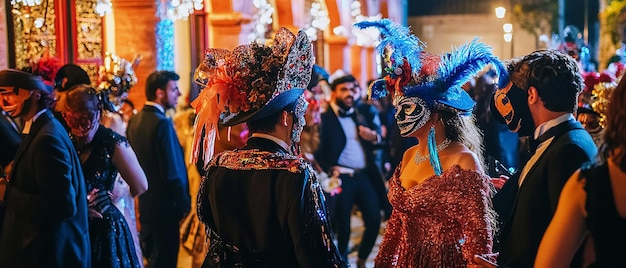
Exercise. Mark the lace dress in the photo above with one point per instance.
(112, 242)
(441, 222)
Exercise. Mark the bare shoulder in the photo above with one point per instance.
(458, 154)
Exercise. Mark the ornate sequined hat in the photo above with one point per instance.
(436, 79)
(250, 83)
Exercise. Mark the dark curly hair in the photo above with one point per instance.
(555, 75)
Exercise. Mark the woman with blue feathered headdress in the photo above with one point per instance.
(440, 194)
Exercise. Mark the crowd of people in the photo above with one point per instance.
(471, 161)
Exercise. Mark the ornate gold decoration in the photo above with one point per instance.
(32, 33)
(88, 30)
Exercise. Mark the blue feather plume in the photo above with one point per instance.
(400, 39)
(462, 64)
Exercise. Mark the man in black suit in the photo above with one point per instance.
(167, 201)
(538, 102)
(45, 224)
(10, 139)
(348, 136)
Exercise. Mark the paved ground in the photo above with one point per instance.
(184, 259)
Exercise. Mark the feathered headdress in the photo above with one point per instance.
(249, 83)
(437, 80)
(117, 75)
(45, 66)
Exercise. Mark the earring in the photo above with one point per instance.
(432, 150)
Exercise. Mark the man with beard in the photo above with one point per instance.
(167, 201)
(539, 102)
(348, 137)
(45, 224)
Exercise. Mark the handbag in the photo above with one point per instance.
(189, 232)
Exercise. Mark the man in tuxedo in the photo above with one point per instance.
(167, 201)
(348, 136)
(538, 102)
(45, 223)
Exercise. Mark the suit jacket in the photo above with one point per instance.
(46, 202)
(9, 141)
(535, 202)
(333, 141)
(152, 136)
(271, 209)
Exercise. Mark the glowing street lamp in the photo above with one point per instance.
(500, 12)
(508, 37)
(507, 27)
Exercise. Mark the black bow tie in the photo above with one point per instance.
(347, 113)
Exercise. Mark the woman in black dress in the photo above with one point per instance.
(103, 153)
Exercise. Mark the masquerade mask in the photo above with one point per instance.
(412, 113)
(510, 106)
(80, 124)
(18, 104)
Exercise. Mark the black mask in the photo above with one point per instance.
(510, 106)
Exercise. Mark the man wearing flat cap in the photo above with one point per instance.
(45, 224)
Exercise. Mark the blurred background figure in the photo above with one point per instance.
(593, 200)
(319, 86)
(501, 146)
(349, 134)
(592, 107)
(167, 201)
(570, 41)
(104, 154)
(127, 110)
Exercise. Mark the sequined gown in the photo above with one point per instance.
(441, 222)
(112, 242)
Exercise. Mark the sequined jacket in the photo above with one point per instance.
(264, 208)
(441, 222)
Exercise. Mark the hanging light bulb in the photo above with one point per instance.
(104, 7)
(318, 19)
(181, 9)
(262, 19)
(29, 3)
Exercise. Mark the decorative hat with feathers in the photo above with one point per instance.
(250, 83)
(436, 79)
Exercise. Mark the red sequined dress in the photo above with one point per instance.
(441, 222)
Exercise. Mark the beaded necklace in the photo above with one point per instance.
(421, 158)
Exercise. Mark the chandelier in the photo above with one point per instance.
(104, 7)
(29, 3)
(318, 19)
(362, 37)
(261, 21)
(179, 9)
